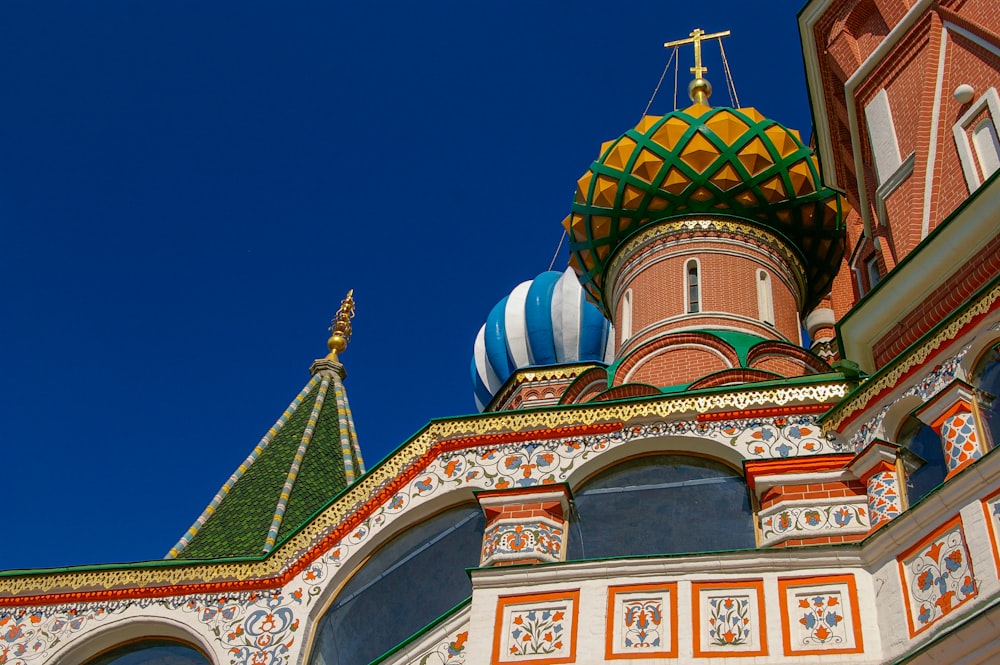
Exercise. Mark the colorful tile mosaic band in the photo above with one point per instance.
(782, 523)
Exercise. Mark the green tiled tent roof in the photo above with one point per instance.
(308, 456)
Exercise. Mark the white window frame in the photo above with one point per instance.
(990, 102)
(626, 318)
(882, 136)
(687, 288)
(765, 297)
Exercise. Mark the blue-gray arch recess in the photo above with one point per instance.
(151, 652)
(661, 504)
(406, 584)
(986, 378)
(926, 458)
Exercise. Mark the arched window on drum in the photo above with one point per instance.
(405, 585)
(661, 504)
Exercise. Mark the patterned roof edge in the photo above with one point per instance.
(292, 554)
(242, 469)
(293, 471)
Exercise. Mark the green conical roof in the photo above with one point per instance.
(308, 457)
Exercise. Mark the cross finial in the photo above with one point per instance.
(700, 89)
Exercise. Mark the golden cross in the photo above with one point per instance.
(697, 37)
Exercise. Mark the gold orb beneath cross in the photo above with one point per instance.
(336, 343)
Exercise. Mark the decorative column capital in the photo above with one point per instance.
(951, 413)
(876, 457)
(878, 468)
(524, 525)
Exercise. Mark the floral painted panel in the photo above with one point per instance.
(536, 628)
(729, 619)
(937, 576)
(517, 540)
(642, 621)
(809, 521)
(820, 615)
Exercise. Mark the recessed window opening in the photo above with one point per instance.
(871, 267)
(693, 288)
(765, 298)
(661, 504)
(626, 325)
(987, 145)
(926, 454)
(986, 379)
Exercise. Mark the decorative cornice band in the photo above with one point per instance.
(892, 375)
(353, 506)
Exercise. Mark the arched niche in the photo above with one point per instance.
(665, 499)
(900, 412)
(131, 635)
(414, 577)
(985, 377)
(923, 457)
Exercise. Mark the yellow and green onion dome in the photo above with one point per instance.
(719, 160)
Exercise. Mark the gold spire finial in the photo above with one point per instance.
(340, 326)
(699, 89)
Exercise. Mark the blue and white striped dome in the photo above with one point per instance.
(546, 321)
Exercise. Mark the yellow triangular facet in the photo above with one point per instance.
(675, 181)
(755, 157)
(727, 126)
(726, 177)
(670, 132)
(646, 165)
(618, 157)
(647, 122)
(699, 153)
(604, 192)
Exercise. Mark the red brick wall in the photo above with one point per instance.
(821, 490)
(954, 292)
(675, 365)
(728, 285)
(846, 35)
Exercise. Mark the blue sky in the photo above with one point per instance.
(188, 189)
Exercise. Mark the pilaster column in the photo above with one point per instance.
(951, 413)
(807, 500)
(524, 525)
(878, 468)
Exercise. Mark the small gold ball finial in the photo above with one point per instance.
(699, 90)
(340, 326)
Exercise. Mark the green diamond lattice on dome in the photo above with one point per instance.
(706, 160)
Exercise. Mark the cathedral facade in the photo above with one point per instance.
(753, 420)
